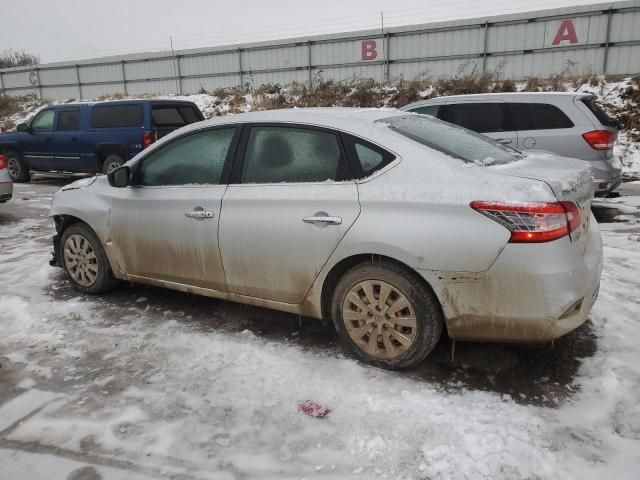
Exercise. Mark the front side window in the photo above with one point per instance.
(452, 140)
(43, 122)
(479, 117)
(538, 116)
(117, 116)
(293, 155)
(194, 160)
(427, 110)
(69, 120)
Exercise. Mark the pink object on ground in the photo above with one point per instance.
(313, 409)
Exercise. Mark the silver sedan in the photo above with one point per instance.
(396, 226)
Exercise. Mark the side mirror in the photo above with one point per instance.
(120, 177)
(23, 127)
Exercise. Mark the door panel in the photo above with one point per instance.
(153, 236)
(68, 141)
(268, 250)
(38, 143)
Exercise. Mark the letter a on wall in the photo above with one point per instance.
(566, 32)
(369, 50)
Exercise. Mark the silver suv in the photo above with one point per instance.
(567, 124)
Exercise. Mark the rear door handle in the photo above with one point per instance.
(504, 141)
(328, 220)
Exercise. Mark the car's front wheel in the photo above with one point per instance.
(85, 260)
(18, 171)
(386, 314)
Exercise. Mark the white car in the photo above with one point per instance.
(6, 184)
(394, 225)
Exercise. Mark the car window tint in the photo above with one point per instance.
(196, 159)
(117, 116)
(427, 110)
(69, 120)
(283, 154)
(479, 117)
(538, 116)
(43, 122)
(167, 117)
(191, 114)
(369, 159)
(599, 112)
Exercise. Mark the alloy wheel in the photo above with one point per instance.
(380, 319)
(13, 166)
(81, 260)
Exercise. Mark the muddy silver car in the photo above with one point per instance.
(394, 225)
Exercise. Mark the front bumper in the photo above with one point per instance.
(55, 254)
(532, 293)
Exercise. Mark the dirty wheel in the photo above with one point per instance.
(386, 314)
(18, 171)
(85, 261)
(111, 163)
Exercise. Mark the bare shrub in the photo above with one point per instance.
(9, 58)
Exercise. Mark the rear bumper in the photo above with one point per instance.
(6, 191)
(606, 181)
(532, 293)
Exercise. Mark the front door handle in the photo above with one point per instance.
(504, 141)
(326, 219)
(198, 213)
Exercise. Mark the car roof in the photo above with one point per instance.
(126, 101)
(519, 96)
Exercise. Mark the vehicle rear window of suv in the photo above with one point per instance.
(173, 115)
(599, 112)
(538, 116)
(117, 116)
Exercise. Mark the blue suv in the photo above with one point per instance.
(91, 137)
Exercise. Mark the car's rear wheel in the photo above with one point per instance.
(111, 163)
(386, 314)
(85, 260)
(18, 171)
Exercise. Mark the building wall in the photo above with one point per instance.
(602, 38)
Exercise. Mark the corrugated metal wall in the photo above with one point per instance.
(602, 38)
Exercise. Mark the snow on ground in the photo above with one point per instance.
(124, 386)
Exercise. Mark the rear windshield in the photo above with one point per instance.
(599, 112)
(117, 116)
(452, 140)
(174, 116)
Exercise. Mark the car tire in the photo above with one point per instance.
(18, 170)
(110, 163)
(85, 261)
(409, 300)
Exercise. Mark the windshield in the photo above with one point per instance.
(452, 140)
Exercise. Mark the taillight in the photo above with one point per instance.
(532, 222)
(148, 139)
(3, 162)
(600, 139)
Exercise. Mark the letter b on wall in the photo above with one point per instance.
(369, 50)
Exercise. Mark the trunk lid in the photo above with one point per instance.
(569, 179)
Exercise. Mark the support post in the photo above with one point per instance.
(240, 68)
(1, 84)
(607, 41)
(39, 84)
(309, 64)
(179, 74)
(484, 48)
(387, 40)
(124, 79)
(78, 82)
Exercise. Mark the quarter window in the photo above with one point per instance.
(69, 120)
(197, 159)
(427, 110)
(116, 116)
(285, 154)
(43, 122)
(173, 115)
(479, 117)
(538, 116)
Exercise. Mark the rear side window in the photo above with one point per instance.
(599, 112)
(479, 117)
(538, 116)
(173, 116)
(69, 120)
(368, 157)
(292, 155)
(428, 110)
(117, 116)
